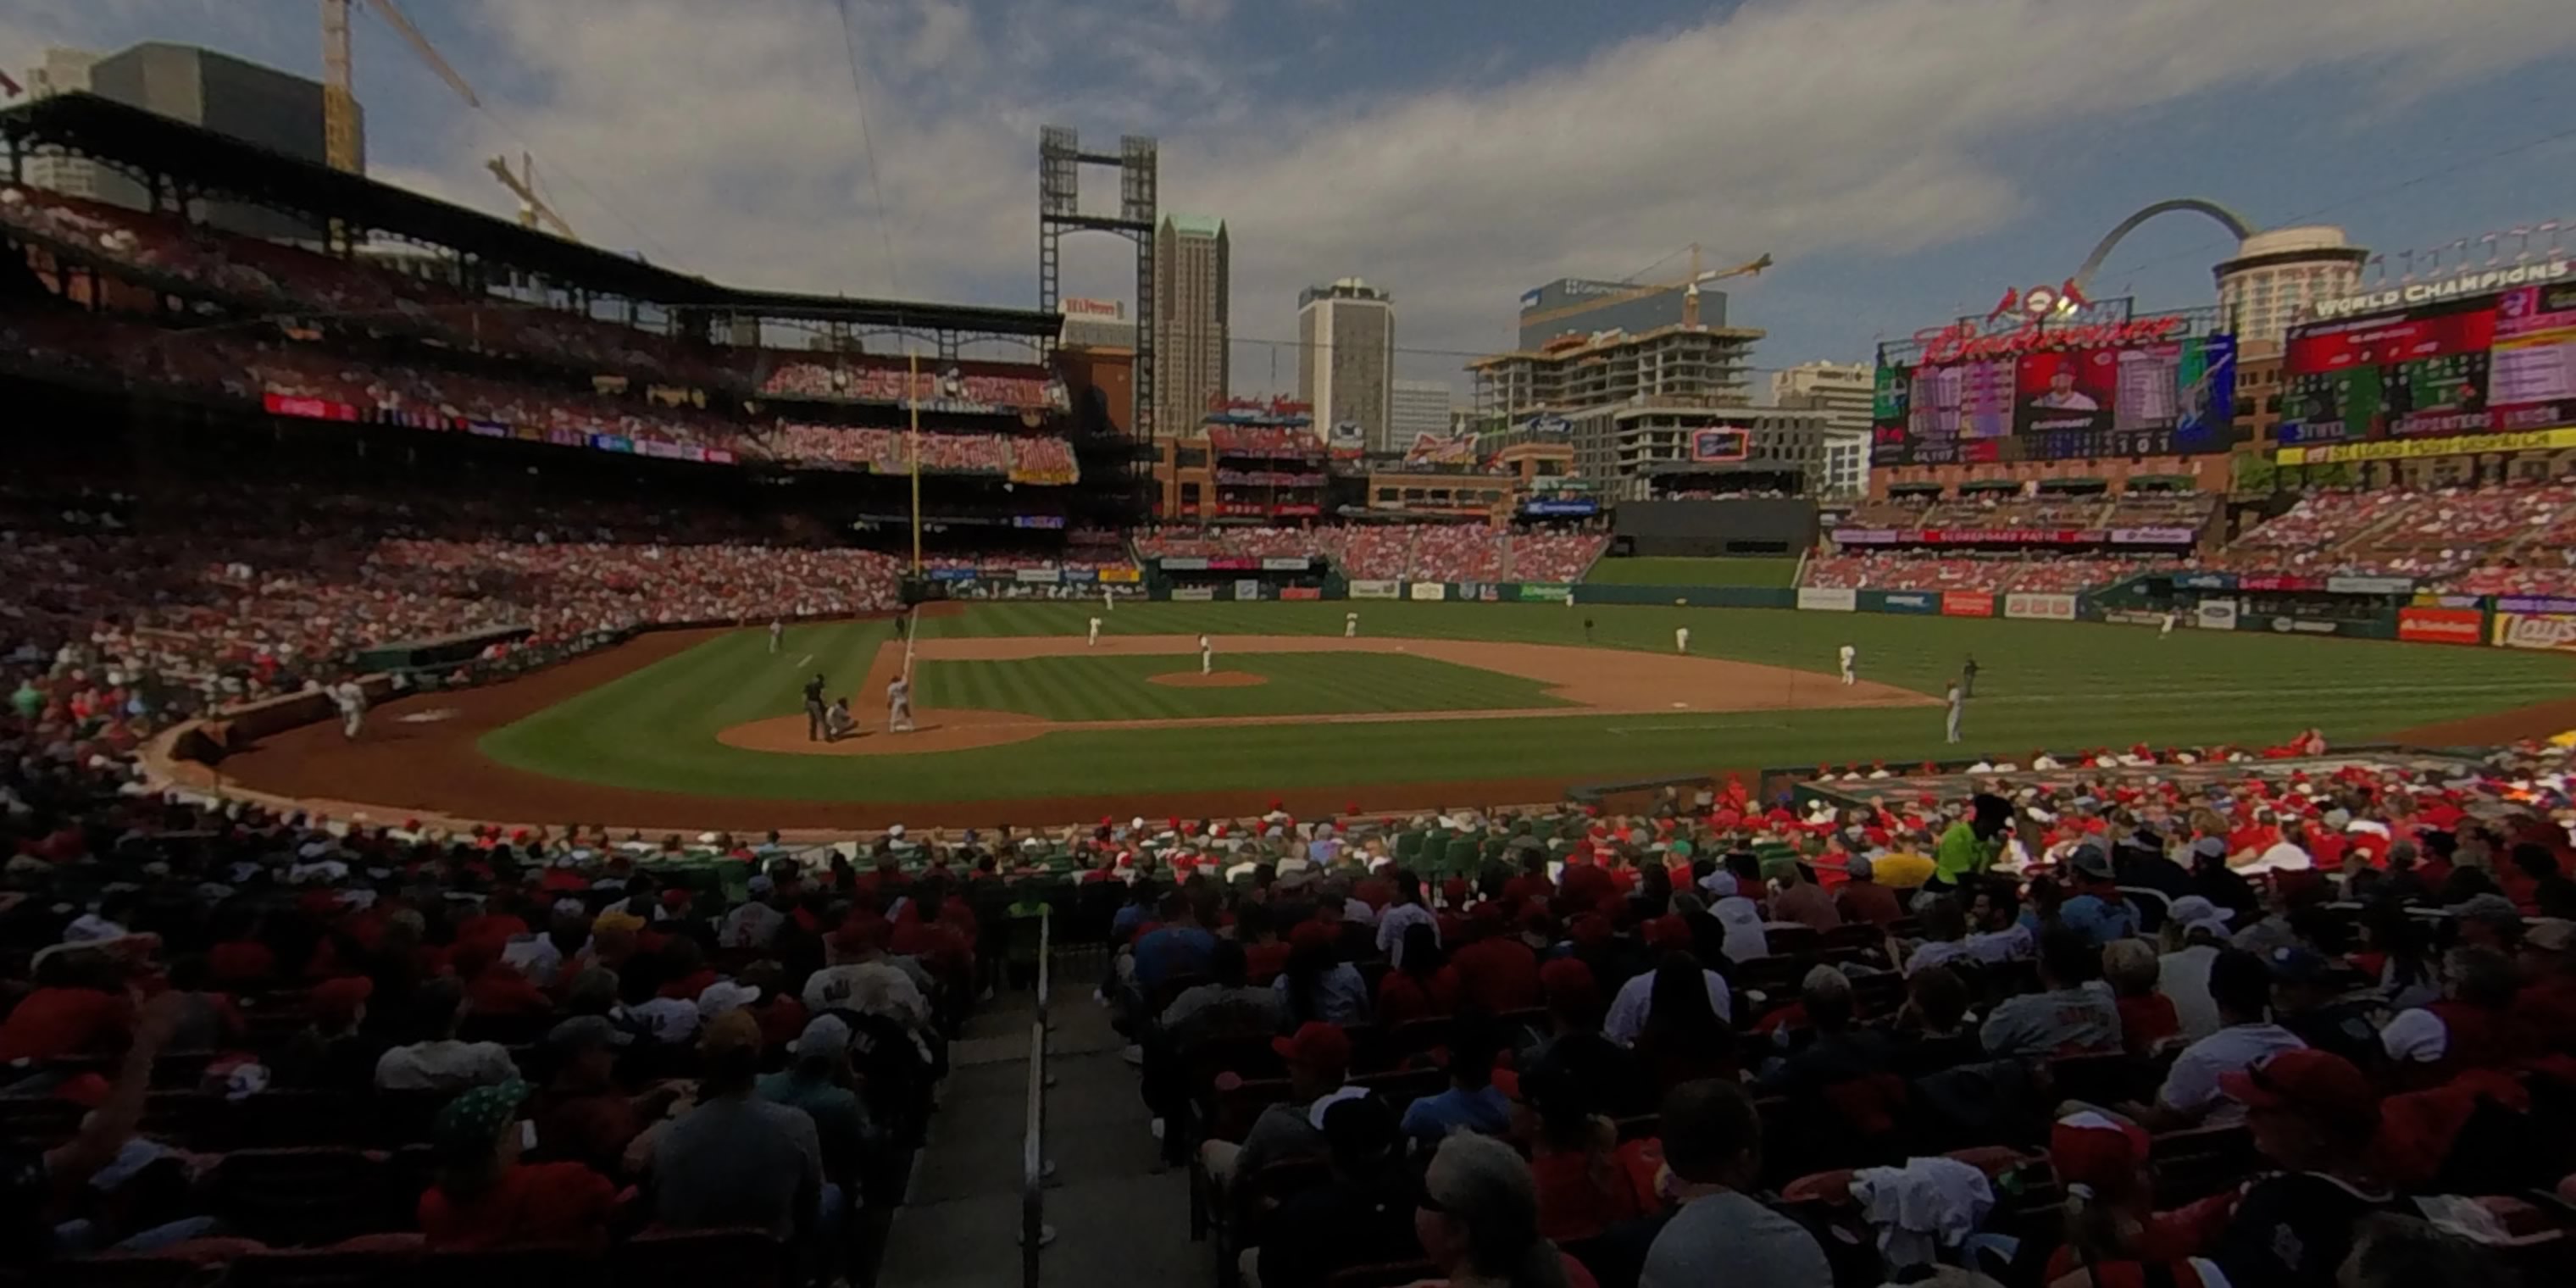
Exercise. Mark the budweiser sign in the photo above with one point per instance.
(1964, 342)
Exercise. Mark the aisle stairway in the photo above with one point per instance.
(1116, 1221)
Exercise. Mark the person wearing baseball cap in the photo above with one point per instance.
(2323, 1002)
(2195, 930)
(581, 1114)
(818, 1081)
(2313, 1115)
(1319, 1064)
(2097, 910)
(485, 1199)
(2548, 1000)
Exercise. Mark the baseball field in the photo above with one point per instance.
(1021, 719)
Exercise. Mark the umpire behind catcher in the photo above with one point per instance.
(814, 708)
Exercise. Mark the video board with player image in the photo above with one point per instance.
(2168, 398)
(2490, 363)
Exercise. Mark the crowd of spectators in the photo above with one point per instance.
(2027, 571)
(248, 366)
(1238, 543)
(214, 599)
(2262, 1025)
(303, 283)
(971, 386)
(1033, 457)
(1468, 552)
(2501, 539)
(1267, 442)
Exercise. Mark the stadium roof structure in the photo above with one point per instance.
(207, 161)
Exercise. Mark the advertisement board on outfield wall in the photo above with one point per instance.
(2529, 604)
(2052, 608)
(2204, 581)
(1182, 563)
(1376, 589)
(2442, 625)
(1967, 603)
(2216, 614)
(1247, 588)
(1427, 590)
(2370, 585)
(1193, 594)
(1301, 592)
(1817, 599)
(1124, 575)
(2132, 617)
(1550, 592)
(2284, 624)
(2552, 631)
(1909, 601)
(1037, 576)
(1284, 563)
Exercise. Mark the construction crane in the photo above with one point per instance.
(340, 144)
(533, 210)
(1639, 290)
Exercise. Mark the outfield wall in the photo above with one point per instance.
(2201, 602)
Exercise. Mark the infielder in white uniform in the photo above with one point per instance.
(777, 634)
(1850, 658)
(2167, 629)
(1350, 626)
(1095, 631)
(352, 702)
(1207, 656)
(1108, 602)
(898, 705)
(1681, 639)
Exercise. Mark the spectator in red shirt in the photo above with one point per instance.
(1581, 1188)
(2147, 1017)
(79, 1007)
(2548, 999)
(1803, 901)
(1862, 898)
(581, 1115)
(485, 1199)
(1496, 971)
(1265, 954)
(1425, 986)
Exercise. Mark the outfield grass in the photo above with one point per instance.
(1667, 571)
(1077, 688)
(2041, 684)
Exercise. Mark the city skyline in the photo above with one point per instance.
(1311, 127)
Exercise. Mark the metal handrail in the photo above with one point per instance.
(1033, 1230)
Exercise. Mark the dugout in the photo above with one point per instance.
(1703, 529)
(1217, 580)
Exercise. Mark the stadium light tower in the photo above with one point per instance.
(1060, 162)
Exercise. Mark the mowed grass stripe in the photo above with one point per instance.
(1122, 687)
(2043, 684)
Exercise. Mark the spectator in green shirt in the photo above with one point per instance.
(1972, 844)
(29, 700)
(818, 1082)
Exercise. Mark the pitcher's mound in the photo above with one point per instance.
(1215, 680)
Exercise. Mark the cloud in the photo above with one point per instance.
(725, 138)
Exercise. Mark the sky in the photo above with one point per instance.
(1903, 160)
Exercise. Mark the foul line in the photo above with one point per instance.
(800, 662)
